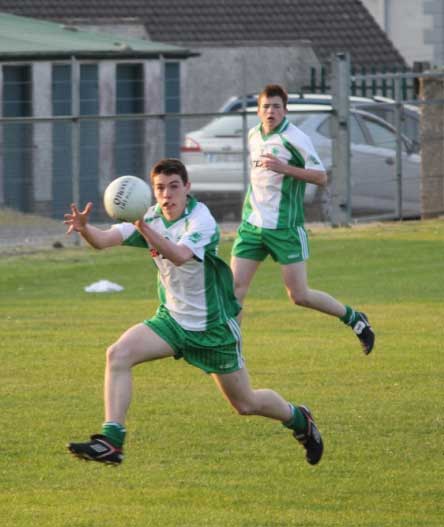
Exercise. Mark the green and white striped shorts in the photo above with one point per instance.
(215, 350)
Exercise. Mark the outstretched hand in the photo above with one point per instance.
(77, 220)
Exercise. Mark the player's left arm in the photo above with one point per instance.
(310, 175)
(177, 254)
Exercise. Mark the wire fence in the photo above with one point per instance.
(48, 162)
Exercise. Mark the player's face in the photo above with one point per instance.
(271, 111)
(171, 194)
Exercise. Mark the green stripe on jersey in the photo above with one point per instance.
(297, 160)
(221, 300)
(247, 208)
(136, 240)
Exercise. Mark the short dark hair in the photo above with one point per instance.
(170, 166)
(274, 90)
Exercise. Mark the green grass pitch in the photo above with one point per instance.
(190, 461)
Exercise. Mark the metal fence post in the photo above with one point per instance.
(340, 177)
(398, 158)
(75, 135)
(245, 173)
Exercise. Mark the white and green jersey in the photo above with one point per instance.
(273, 200)
(198, 294)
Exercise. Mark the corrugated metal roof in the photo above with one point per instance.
(30, 39)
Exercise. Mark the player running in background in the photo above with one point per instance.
(196, 319)
(283, 160)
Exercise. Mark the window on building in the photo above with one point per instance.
(129, 148)
(172, 105)
(61, 89)
(17, 91)
(89, 89)
(89, 137)
(17, 138)
(62, 182)
(62, 155)
(129, 89)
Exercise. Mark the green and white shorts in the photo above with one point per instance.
(285, 246)
(215, 350)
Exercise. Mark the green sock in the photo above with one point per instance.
(297, 422)
(115, 432)
(350, 316)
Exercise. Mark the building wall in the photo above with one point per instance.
(134, 30)
(42, 136)
(204, 83)
(221, 72)
(416, 27)
(51, 152)
(435, 36)
(432, 137)
(2, 178)
(377, 10)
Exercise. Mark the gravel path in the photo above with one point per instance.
(21, 234)
(16, 239)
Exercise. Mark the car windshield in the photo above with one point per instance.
(231, 125)
(298, 119)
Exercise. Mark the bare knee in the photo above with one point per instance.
(300, 298)
(117, 356)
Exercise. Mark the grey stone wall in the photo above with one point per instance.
(223, 71)
(42, 138)
(131, 28)
(2, 194)
(432, 147)
(107, 106)
(435, 36)
(207, 81)
(154, 139)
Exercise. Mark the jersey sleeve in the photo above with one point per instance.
(301, 146)
(201, 232)
(252, 131)
(312, 159)
(130, 235)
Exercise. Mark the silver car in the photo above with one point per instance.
(381, 106)
(214, 158)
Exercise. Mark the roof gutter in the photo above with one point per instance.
(92, 55)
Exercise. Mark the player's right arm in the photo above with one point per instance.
(99, 239)
(177, 253)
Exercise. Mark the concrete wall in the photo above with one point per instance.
(2, 193)
(377, 9)
(41, 178)
(220, 72)
(107, 106)
(416, 27)
(434, 36)
(154, 102)
(133, 29)
(207, 82)
(42, 137)
(432, 148)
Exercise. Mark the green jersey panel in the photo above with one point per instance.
(198, 294)
(276, 201)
